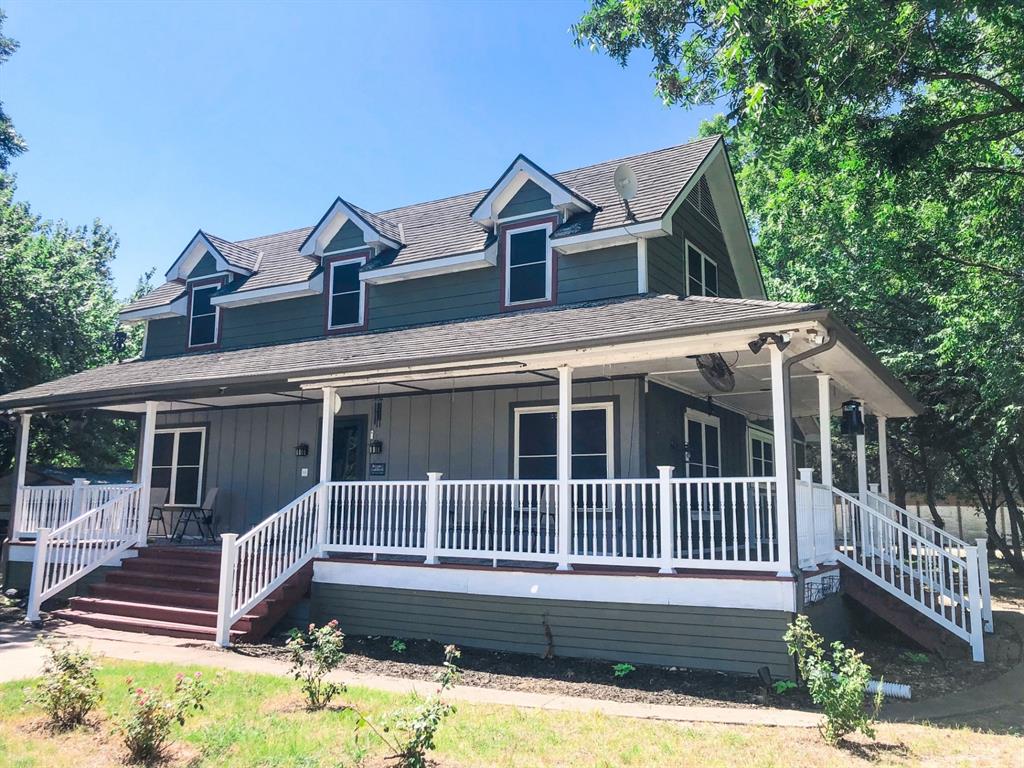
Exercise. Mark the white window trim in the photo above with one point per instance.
(609, 425)
(330, 290)
(177, 431)
(548, 264)
(691, 414)
(191, 314)
(757, 433)
(704, 261)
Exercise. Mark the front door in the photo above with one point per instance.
(349, 459)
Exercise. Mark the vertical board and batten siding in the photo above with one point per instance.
(727, 639)
(466, 435)
(666, 268)
(666, 434)
(530, 198)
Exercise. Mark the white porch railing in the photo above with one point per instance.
(253, 565)
(81, 545)
(815, 523)
(51, 506)
(942, 586)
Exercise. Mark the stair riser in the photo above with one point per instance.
(152, 567)
(199, 600)
(202, 586)
(204, 557)
(154, 613)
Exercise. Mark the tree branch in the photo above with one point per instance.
(994, 169)
(984, 82)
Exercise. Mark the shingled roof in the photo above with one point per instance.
(560, 327)
(445, 228)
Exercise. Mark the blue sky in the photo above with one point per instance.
(249, 118)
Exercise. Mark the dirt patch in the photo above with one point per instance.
(422, 659)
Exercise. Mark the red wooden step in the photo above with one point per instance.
(181, 554)
(149, 610)
(157, 566)
(183, 582)
(142, 594)
(150, 626)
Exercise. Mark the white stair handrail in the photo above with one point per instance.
(255, 564)
(65, 554)
(940, 585)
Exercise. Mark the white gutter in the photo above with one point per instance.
(430, 267)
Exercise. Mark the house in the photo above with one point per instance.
(540, 417)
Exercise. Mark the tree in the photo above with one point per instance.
(880, 159)
(11, 144)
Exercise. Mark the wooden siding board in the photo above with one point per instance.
(600, 274)
(530, 198)
(665, 635)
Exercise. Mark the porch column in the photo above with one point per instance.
(564, 449)
(783, 451)
(862, 460)
(326, 460)
(883, 456)
(146, 469)
(20, 463)
(825, 427)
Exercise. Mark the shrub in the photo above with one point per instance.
(314, 655)
(783, 686)
(623, 669)
(398, 646)
(69, 689)
(148, 724)
(837, 684)
(410, 735)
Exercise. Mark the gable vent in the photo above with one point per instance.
(700, 198)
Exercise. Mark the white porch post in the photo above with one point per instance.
(825, 427)
(862, 461)
(783, 479)
(883, 456)
(564, 464)
(20, 463)
(665, 521)
(146, 469)
(326, 460)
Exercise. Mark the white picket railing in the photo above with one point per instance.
(615, 520)
(815, 523)
(255, 564)
(952, 545)
(376, 517)
(81, 545)
(51, 506)
(942, 586)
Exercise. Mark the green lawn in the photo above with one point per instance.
(255, 720)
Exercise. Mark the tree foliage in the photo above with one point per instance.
(879, 148)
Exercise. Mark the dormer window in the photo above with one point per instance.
(203, 316)
(702, 273)
(346, 297)
(528, 263)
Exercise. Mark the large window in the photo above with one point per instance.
(528, 265)
(204, 317)
(178, 464)
(702, 273)
(536, 442)
(347, 304)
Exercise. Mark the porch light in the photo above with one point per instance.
(780, 340)
(302, 449)
(375, 446)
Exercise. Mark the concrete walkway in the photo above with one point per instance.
(21, 657)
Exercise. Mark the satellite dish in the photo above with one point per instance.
(625, 182)
(716, 372)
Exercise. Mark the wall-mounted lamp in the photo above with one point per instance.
(853, 419)
(375, 446)
(778, 339)
(302, 449)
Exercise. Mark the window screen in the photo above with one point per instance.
(346, 294)
(528, 266)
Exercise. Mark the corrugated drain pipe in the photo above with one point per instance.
(787, 364)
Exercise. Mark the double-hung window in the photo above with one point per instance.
(346, 296)
(203, 317)
(536, 442)
(178, 456)
(702, 273)
(528, 264)
(762, 454)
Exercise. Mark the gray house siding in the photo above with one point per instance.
(275, 323)
(349, 236)
(473, 293)
(665, 265)
(166, 337)
(727, 639)
(665, 433)
(593, 275)
(205, 266)
(466, 435)
(529, 199)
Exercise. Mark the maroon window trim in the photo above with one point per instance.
(512, 226)
(329, 262)
(218, 316)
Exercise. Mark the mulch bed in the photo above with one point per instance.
(559, 677)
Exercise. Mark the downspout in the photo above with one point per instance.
(787, 364)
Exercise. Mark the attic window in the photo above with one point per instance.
(702, 273)
(203, 317)
(528, 264)
(346, 308)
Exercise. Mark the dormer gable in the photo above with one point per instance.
(344, 217)
(500, 201)
(208, 254)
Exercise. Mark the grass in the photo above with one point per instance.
(257, 721)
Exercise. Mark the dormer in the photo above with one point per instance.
(208, 254)
(347, 227)
(518, 191)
